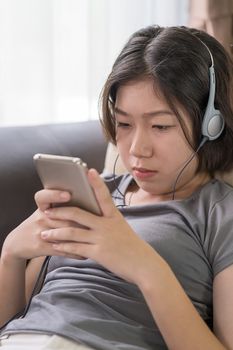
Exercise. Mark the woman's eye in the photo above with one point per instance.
(122, 125)
(161, 127)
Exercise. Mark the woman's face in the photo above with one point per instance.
(150, 140)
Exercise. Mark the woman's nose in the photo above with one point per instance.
(141, 145)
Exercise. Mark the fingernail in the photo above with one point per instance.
(64, 195)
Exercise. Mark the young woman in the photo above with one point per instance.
(155, 271)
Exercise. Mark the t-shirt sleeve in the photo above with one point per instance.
(219, 239)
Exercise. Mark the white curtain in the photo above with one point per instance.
(56, 54)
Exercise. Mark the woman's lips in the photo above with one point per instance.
(142, 173)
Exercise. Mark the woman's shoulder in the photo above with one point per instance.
(218, 238)
(208, 206)
(216, 191)
(203, 203)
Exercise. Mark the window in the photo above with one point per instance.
(56, 54)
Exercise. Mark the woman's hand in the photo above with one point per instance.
(109, 240)
(25, 241)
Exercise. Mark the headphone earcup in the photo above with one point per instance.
(213, 124)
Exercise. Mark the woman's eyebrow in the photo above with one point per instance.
(149, 114)
(120, 111)
(158, 112)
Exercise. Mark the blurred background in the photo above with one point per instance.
(56, 54)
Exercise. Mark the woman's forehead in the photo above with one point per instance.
(145, 95)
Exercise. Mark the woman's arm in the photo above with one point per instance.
(12, 287)
(17, 278)
(21, 245)
(16, 284)
(223, 306)
(179, 322)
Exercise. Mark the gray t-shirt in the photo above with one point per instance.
(83, 301)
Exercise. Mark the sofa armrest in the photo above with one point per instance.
(18, 178)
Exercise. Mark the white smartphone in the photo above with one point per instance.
(67, 174)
